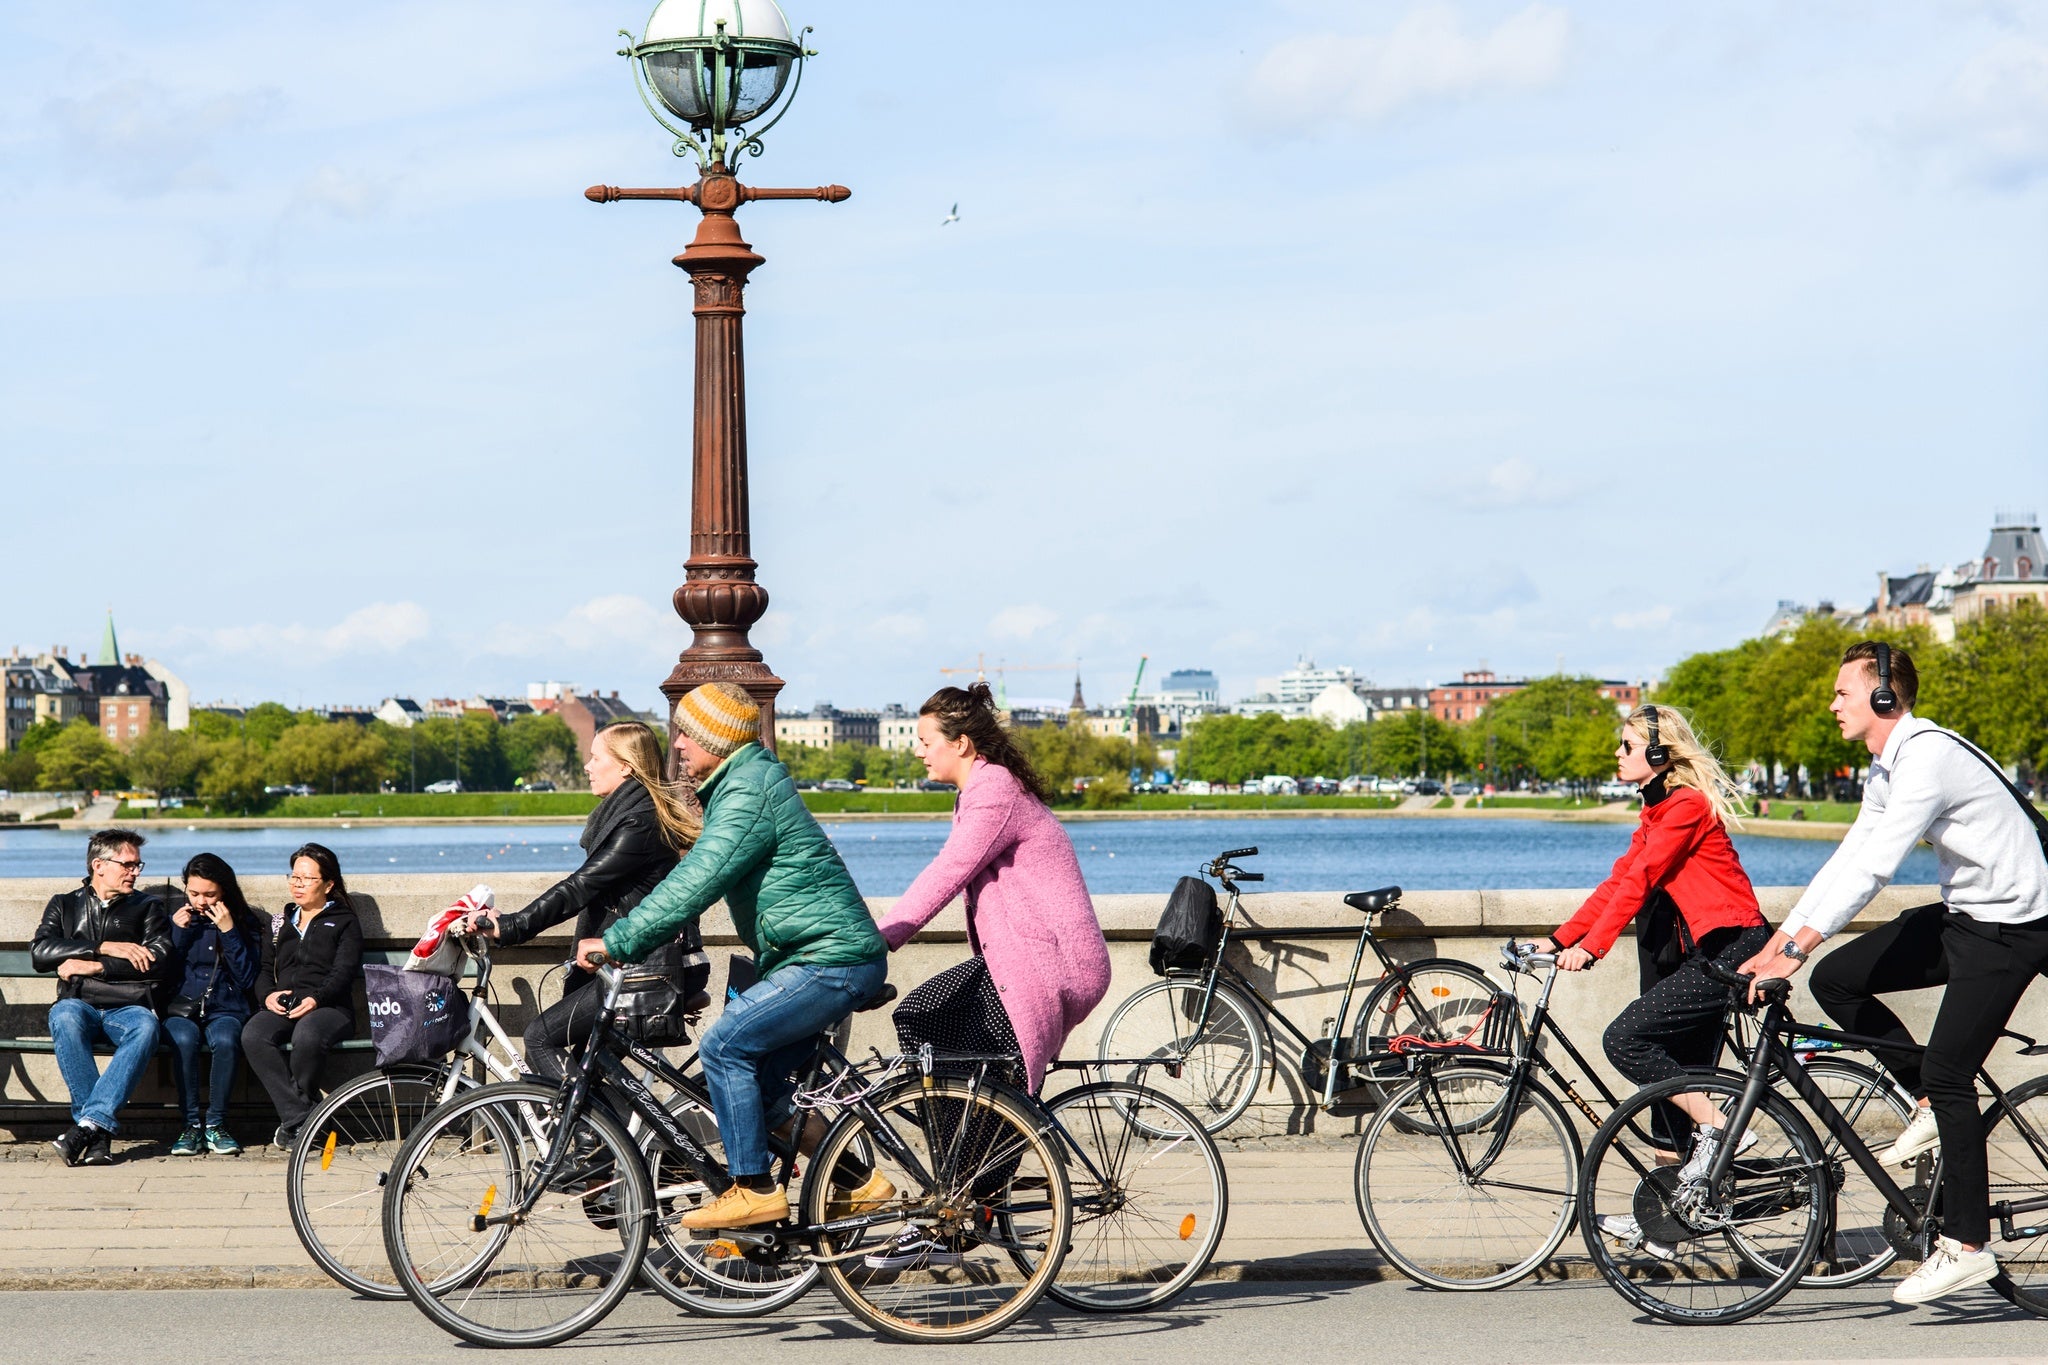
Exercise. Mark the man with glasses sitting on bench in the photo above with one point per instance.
(817, 951)
(1985, 940)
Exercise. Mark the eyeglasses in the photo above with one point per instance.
(135, 866)
(1628, 746)
(296, 880)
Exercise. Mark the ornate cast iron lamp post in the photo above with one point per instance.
(725, 71)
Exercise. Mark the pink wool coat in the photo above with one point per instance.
(1028, 912)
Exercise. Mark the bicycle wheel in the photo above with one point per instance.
(719, 1278)
(2016, 1146)
(1734, 1254)
(1854, 1247)
(1150, 1198)
(1466, 1193)
(977, 1182)
(1438, 998)
(334, 1180)
(555, 1271)
(1220, 1066)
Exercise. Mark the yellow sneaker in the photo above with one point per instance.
(874, 1192)
(738, 1207)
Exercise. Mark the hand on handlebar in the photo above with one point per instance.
(1574, 959)
(482, 924)
(590, 954)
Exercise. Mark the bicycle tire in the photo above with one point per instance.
(1776, 1194)
(1442, 1228)
(1220, 1067)
(1437, 998)
(996, 1178)
(1150, 1193)
(2016, 1171)
(553, 1274)
(683, 1269)
(334, 1180)
(1854, 1239)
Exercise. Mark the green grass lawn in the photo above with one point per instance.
(1253, 801)
(879, 803)
(1838, 812)
(417, 805)
(1539, 802)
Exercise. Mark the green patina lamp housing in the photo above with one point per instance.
(718, 67)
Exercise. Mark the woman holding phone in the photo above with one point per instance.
(305, 989)
(217, 941)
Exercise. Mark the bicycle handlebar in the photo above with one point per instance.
(1249, 877)
(1237, 853)
(1776, 990)
(1515, 957)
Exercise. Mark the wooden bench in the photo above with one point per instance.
(17, 966)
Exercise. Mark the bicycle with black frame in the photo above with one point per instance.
(1214, 1025)
(1468, 1177)
(1735, 1242)
(936, 1205)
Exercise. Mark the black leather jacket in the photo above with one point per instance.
(627, 859)
(75, 925)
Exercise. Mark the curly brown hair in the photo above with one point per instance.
(971, 711)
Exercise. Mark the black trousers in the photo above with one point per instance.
(294, 1085)
(1676, 1022)
(557, 1030)
(1987, 968)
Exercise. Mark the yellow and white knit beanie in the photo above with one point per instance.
(720, 717)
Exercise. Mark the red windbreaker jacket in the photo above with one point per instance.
(1681, 847)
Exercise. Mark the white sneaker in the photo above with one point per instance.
(1706, 1143)
(1921, 1135)
(1623, 1227)
(914, 1249)
(1949, 1269)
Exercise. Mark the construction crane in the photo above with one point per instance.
(1131, 708)
(981, 670)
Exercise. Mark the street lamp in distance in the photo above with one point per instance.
(717, 75)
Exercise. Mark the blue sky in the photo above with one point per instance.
(1404, 335)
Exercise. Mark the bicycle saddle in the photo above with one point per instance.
(697, 1003)
(878, 999)
(1372, 902)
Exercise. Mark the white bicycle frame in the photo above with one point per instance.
(506, 1063)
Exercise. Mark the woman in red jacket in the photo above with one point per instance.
(1682, 874)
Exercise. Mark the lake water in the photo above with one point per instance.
(1116, 856)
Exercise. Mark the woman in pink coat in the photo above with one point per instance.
(1040, 963)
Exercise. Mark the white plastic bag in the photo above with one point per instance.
(441, 951)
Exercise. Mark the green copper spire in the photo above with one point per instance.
(110, 649)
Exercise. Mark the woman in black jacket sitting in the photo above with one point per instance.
(634, 838)
(218, 943)
(306, 988)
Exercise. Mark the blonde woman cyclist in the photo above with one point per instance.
(1682, 872)
(634, 838)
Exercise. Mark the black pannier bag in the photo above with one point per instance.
(414, 1016)
(1189, 930)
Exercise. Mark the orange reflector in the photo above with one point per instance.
(490, 1198)
(721, 1250)
(1187, 1227)
(1439, 991)
(327, 1151)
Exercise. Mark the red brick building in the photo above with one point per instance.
(1479, 689)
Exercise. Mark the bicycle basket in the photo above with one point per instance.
(1189, 930)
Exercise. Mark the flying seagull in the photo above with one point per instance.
(952, 217)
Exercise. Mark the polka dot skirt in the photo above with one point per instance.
(957, 1011)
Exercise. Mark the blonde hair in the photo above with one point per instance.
(640, 752)
(1692, 763)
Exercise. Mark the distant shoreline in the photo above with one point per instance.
(1776, 829)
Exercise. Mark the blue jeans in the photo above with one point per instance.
(222, 1038)
(751, 1054)
(75, 1027)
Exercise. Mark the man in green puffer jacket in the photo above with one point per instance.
(794, 904)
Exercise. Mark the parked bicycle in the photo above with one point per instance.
(937, 1205)
(1468, 1177)
(1213, 1023)
(1733, 1244)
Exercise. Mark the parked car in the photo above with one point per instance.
(1463, 789)
(541, 786)
(445, 787)
(1422, 786)
(837, 784)
(1317, 786)
(1279, 784)
(807, 784)
(1196, 788)
(289, 789)
(1616, 790)
(929, 784)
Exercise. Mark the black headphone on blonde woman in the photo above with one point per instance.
(1656, 753)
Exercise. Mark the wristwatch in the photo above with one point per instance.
(1792, 950)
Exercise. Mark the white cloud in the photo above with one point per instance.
(596, 625)
(1993, 119)
(1513, 482)
(1020, 623)
(1429, 55)
(901, 625)
(379, 628)
(341, 193)
(1648, 619)
(145, 140)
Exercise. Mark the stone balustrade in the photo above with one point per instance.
(1305, 978)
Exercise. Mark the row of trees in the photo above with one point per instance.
(227, 762)
(1061, 754)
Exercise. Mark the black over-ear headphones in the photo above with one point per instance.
(1883, 700)
(1657, 754)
